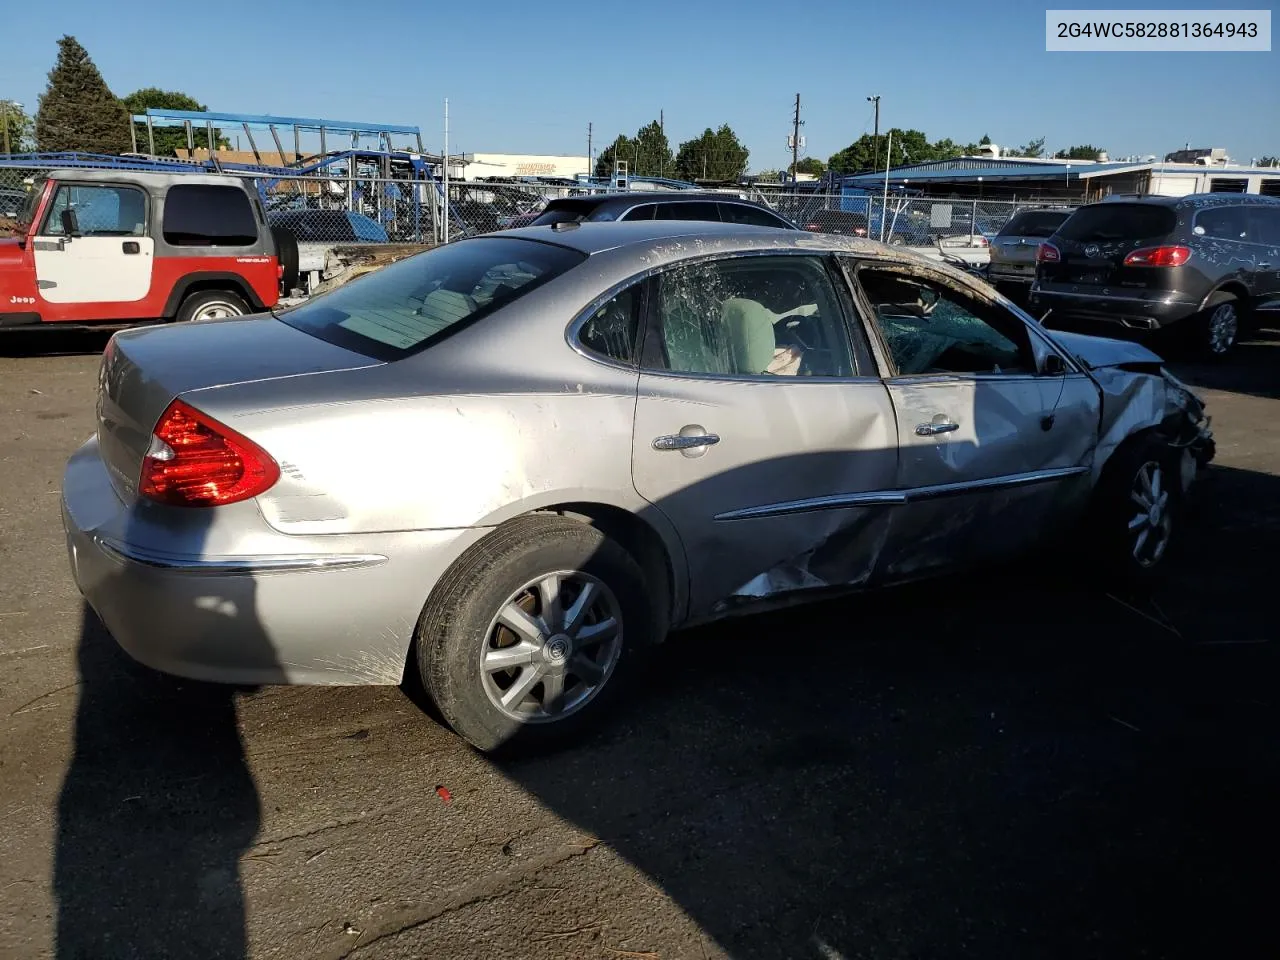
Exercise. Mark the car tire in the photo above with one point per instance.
(464, 637)
(287, 254)
(1138, 509)
(212, 305)
(1216, 329)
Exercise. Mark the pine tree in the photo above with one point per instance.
(77, 110)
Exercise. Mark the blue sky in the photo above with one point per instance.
(523, 77)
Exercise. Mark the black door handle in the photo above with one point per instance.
(131, 246)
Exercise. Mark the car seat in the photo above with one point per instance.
(752, 343)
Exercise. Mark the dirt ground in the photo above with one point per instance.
(1004, 765)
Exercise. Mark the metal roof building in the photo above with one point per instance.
(1016, 178)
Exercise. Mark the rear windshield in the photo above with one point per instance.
(1118, 221)
(1033, 223)
(572, 211)
(406, 306)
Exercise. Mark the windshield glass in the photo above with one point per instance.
(27, 209)
(403, 308)
(1033, 223)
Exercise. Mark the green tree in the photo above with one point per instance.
(77, 110)
(985, 141)
(169, 139)
(1269, 162)
(623, 148)
(909, 146)
(1083, 152)
(716, 155)
(647, 154)
(16, 128)
(1033, 149)
(810, 165)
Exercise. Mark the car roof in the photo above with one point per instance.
(632, 197)
(145, 177)
(652, 236)
(1190, 199)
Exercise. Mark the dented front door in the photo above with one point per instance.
(995, 439)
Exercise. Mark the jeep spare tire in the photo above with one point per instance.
(287, 254)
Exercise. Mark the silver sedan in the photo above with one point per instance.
(513, 463)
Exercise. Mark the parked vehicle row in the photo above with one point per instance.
(1203, 267)
(513, 463)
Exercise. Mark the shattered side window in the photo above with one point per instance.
(752, 316)
(930, 328)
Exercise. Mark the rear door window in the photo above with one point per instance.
(208, 215)
(1107, 222)
(753, 216)
(689, 210)
(1264, 225)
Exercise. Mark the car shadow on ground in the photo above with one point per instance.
(1253, 369)
(1007, 763)
(158, 804)
(52, 343)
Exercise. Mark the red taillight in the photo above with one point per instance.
(1048, 253)
(1158, 257)
(194, 461)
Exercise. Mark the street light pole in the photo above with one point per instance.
(875, 163)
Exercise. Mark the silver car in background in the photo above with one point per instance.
(512, 463)
(1013, 248)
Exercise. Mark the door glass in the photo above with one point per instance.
(688, 210)
(752, 316)
(741, 213)
(613, 330)
(101, 210)
(1264, 226)
(1221, 223)
(932, 328)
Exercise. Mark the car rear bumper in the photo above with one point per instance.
(1134, 311)
(308, 610)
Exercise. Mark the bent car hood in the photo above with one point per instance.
(1097, 352)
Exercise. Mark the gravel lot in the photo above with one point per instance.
(996, 766)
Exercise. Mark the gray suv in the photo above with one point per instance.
(1204, 265)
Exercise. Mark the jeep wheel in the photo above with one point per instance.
(212, 305)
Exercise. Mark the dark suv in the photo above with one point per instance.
(665, 205)
(1204, 263)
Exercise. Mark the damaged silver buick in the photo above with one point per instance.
(507, 465)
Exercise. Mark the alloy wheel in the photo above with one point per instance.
(552, 647)
(1151, 521)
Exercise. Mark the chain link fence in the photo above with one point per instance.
(354, 209)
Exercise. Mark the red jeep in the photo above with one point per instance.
(119, 246)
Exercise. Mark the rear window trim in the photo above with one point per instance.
(385, 352)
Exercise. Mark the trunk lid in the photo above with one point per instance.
(142, 371)
(1093, 243)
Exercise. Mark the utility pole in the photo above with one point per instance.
(875, 162)
(590, 171)
(795, 140)
(447, 205)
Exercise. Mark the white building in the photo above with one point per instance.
(483, 165)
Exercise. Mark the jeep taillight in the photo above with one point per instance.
(1174, 256)
(195, 461)
(1048, 253)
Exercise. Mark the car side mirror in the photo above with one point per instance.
(70, 225)
(1054, 366)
